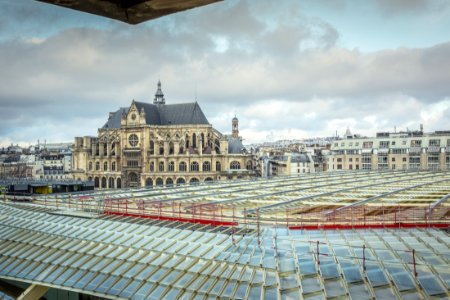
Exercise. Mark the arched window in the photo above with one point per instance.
(89, 178)
(161, 166)
(194, 181)
(249, 165)
(203, 140)
(97, 166)
(152, 167)
(171, 166)
(105, 166)
(133, 177)
(103, 182)
(105, 149)
(169, 181)
(206, 166)
(194, 140)
(218, 166)
(171, 148)
(187, 141)
(96, 182)
(111, 182)
(152, 147)
(113, 166)
(149, 182)
(113, 149)
(194, 166)
(119, 183)
(90, 166)
(183, 166)
(208, 179)
(159, 181)
(235, 165)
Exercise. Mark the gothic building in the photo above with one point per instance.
(154, 144)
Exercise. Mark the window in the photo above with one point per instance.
(90, 166)
(384, 144)
(235, 165)
(97, 166)
(367, 145)
(350, 159)
(113, 166)
(350, 144)
(416, 143)
(152, 147)
(339, 159)
(393, 143)
(393, 159)
(133, 140)
(342, 144)
(132, 163)
(206, 166)
(161, 166)
(183, 166)
(435, 142)
(218, 166)
(356, 144)
(398, 151)
(171, 166)
(105, 166)
(194, 166)
(152, 167)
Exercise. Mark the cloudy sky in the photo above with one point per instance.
(287, 69)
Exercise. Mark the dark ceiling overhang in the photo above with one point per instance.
(131, 11)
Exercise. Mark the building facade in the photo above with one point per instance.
(405, 151)
(154, 144)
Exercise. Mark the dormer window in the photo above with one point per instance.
(133, 116)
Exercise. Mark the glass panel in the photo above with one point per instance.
(130, 289)
(431, 285)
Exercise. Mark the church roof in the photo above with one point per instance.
(235, 145)
(164, 114)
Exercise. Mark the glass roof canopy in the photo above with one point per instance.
(293, 198)
(128, 258)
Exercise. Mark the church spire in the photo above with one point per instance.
(159, 96)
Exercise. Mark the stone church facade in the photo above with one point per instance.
(156, 144)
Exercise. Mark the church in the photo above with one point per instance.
(159, 144)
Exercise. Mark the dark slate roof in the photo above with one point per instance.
(300, 158)
(114, 120)
(235, 145)
(164, 114)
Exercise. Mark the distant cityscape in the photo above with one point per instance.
(159, 144)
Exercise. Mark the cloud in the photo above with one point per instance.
(279, 69)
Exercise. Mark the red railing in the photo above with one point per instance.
(358, 217)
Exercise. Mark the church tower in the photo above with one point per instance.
(159, 96)
(235, 127)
